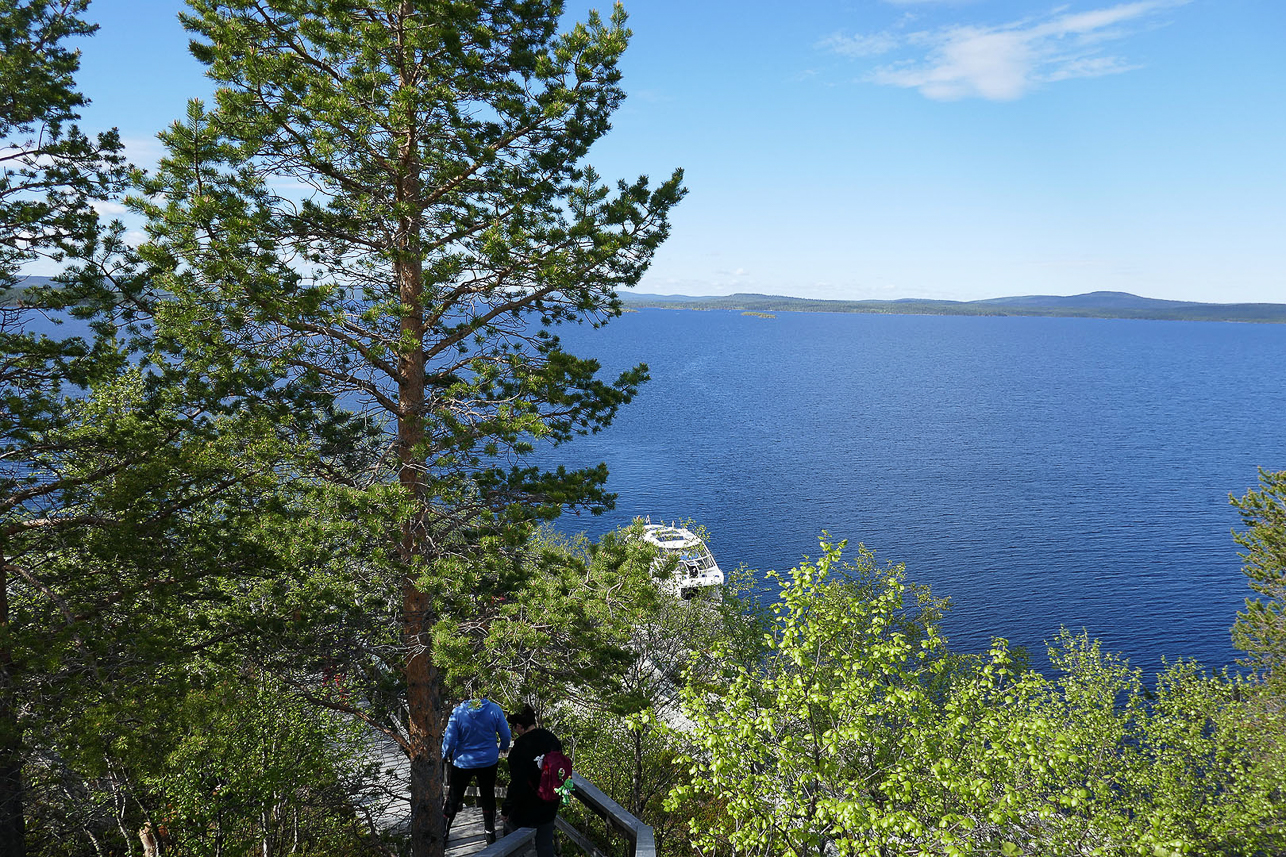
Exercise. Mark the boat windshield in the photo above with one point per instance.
(697, 558)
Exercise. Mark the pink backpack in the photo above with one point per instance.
(555, 777)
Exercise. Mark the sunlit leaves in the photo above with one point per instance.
(853, 738)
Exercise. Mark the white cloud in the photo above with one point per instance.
(1005, 62)
(970, 62)
(143, 152)
(109, 209)
(1088, 22)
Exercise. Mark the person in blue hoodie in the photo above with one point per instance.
(476, 735)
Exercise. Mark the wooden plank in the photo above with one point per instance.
(467, 836)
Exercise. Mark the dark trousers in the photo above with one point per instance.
(458, 780)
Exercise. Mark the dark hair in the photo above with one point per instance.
(524, 717)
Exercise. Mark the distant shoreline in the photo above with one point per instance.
(1090, 305)
(1115, 305)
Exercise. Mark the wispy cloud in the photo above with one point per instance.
(143, 151)
(109, 209)
(859, 46)
(1004, 62)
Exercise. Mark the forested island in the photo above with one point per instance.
(272, 503)
(1089, 305)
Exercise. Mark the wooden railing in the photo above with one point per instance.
(636, 833)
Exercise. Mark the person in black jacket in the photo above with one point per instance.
(522, 807)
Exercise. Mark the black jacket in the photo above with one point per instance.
(522, 807)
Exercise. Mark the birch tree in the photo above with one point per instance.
(861, 734)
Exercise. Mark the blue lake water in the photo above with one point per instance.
(1039, 471)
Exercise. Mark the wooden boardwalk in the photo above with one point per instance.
(467, 833)
(391, 807)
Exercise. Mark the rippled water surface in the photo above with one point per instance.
(1041, 472)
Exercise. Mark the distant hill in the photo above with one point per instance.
(1116, 300)
(9, 296)
(1090, 305)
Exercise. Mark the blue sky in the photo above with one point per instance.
(955, 149)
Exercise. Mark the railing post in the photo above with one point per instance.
(644, 842)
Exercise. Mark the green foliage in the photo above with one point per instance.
(256, 770)
(1168, 772)
(563, 631)
(49, 179)
(1261, 630)
(51, 175)
(860, 734)
(225, 762)
(631, 758)
(151, 558)
(452, 224)
(821, 746)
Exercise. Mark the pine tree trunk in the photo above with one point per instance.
(423, 689)
(423, 697)
(423, 686)
(13, 832)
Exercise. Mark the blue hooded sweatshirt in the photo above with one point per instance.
(470, 737)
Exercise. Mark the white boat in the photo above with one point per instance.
(696, 569)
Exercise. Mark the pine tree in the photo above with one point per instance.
(50, 173)
(388, 201)
(1261, 630)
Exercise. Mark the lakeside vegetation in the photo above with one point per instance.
(1091, 305)
(251, 519)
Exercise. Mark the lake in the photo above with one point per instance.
(1039, 471)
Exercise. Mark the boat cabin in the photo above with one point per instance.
(696, 569)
